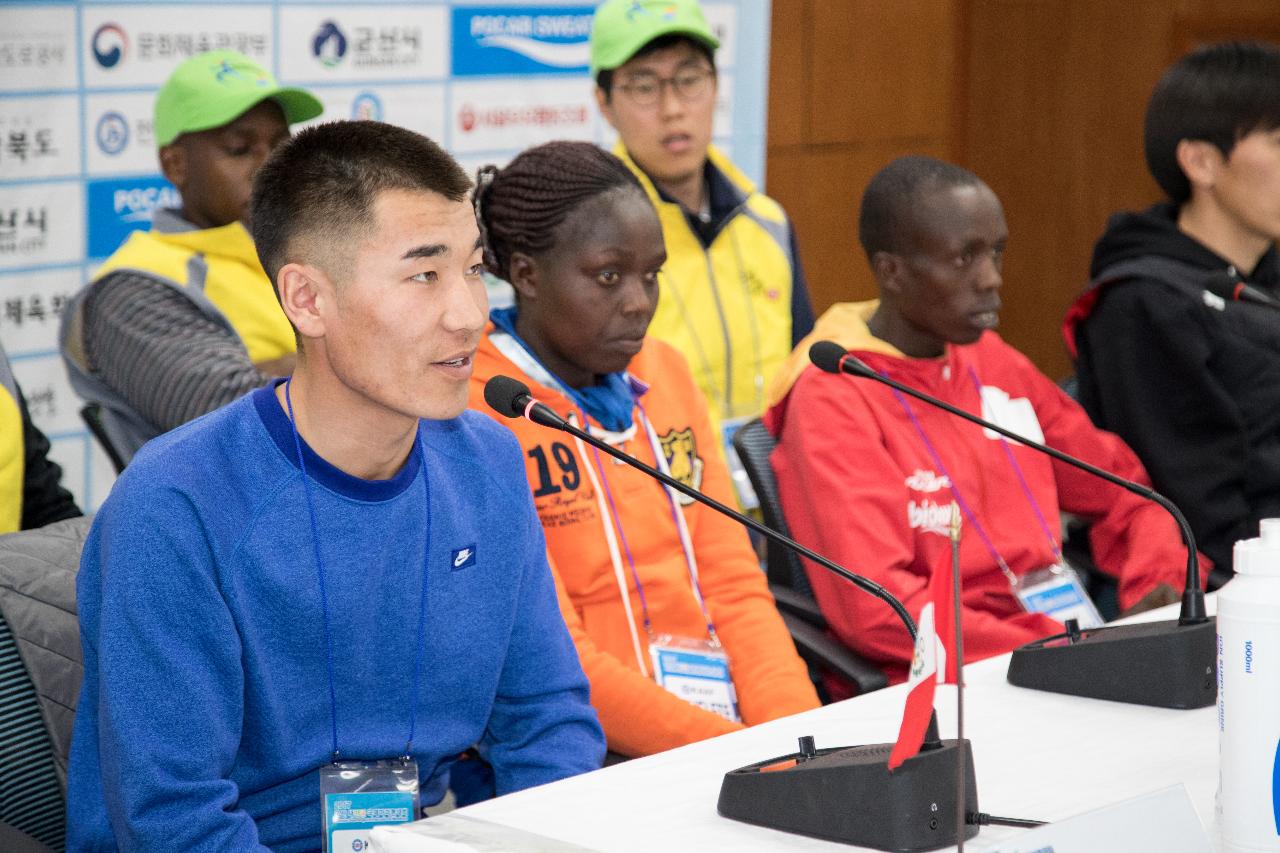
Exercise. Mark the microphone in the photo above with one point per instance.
(1165, 664)
(809, 791)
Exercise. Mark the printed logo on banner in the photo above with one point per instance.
(109, 45)
(41, 224)
(123, 133)
(362, 42)
(507, 40)
(112, 133)
(366, 107)
(118, 207)
(419, 108)
(39, 137)
(499, 115)
(30, 305)
(140, 44)
(37, 47)
(329, 44)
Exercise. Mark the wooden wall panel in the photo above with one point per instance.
(788, 106)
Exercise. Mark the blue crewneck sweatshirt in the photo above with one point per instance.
(205, 714)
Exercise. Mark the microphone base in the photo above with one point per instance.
(848, 794)
(1163, 664)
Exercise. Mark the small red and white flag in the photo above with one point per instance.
(931, 664)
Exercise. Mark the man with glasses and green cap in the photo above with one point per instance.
(181, 319)
(733, 297)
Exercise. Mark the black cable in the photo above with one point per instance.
(984, 819)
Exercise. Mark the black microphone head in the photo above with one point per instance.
(827, 355)
(507, 396)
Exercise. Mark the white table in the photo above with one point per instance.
(1037, 755)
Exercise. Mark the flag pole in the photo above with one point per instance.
(959, 658)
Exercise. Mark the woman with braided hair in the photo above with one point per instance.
(669, 610)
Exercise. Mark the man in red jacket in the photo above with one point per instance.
(867, 476)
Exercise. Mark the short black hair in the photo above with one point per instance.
(604, 77)
(895, 190)
(321, 185)
(520, 207)
(1219, 93)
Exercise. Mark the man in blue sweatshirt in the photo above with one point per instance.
(344, 564)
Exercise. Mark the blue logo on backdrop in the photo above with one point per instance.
(112, 133)
(366, 107)
(109, 44)
(119, 206)
(329, 44)
(462, 558)
(506, 40)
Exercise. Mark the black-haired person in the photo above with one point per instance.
(31, 492)
(644, 575)
(1165, 357)
(355, 575)
(733, 297)
(867, 476)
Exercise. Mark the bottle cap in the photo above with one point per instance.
(1260, 556)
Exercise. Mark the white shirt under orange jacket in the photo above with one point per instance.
(638, 716)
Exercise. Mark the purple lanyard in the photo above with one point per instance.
(626, 549)
(1022, 480)
(955, 489)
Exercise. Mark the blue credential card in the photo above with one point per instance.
(350, 817)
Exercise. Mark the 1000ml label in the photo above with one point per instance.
(1248, 656)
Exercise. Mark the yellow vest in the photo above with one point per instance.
(233, 280)
(726, 308)
(13, 451)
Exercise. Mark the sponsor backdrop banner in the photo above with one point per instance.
(78, 167)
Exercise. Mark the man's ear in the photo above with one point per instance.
(888, 269)
(1200, 161)
(173, 163)
(605, 104)
(304, 291)
(524, 276)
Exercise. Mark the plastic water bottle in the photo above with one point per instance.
(1249, 697)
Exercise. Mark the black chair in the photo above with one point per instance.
(91, 414)
(787, 579)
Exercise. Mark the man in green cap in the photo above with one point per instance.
(181, 319)
(733, 296)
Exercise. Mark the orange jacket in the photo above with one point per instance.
(638, 716)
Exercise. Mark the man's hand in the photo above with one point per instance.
(1158, 597)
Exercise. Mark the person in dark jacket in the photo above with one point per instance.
(1177, 338)
(31, 492)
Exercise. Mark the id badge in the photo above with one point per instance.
(697, 671)
(1056, 591)
(356, 796)
(737, 471)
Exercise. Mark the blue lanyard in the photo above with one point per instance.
(324, 595)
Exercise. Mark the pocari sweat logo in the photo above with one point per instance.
(329, 44)
(109, 45)
(506, 40)
(118, 206)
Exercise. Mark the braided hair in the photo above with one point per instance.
(519, 208)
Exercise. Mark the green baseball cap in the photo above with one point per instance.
(215, 88)
(621, 27)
